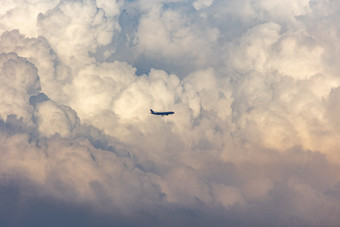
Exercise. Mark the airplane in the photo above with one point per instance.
(161, 113)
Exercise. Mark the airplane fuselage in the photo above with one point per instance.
(161, 113)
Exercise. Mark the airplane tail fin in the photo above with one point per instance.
(152, 111)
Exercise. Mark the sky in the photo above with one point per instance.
(254, 140)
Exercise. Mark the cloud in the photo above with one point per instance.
(253, 141)
(79, 28)
(22, 15)
(19, 82)
(202, 4)
(52, 118)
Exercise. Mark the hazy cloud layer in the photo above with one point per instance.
(254, 140)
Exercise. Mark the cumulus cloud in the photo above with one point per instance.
(19, 81)
(254, 139)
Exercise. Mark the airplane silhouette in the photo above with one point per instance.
(161, 113)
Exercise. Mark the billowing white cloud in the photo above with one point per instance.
(199, 4)
(255, 135)
(52, 118)
(22, 15)
(19, 81)
(79, 28)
